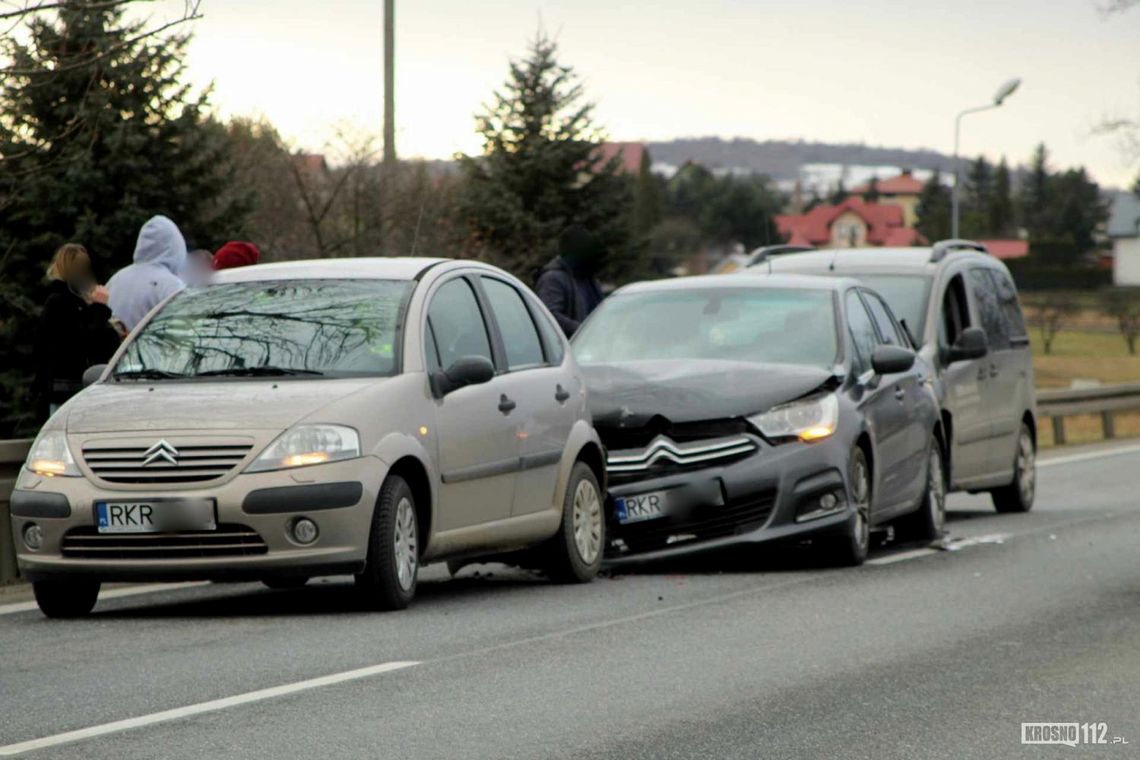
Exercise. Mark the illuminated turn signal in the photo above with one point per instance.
(816, 433)
(300, 460)
(48, 467)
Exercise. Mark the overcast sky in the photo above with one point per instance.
(883, 72)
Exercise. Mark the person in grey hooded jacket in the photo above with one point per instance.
(160, 254)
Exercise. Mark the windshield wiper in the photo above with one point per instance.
(146, 374)
(263, 371)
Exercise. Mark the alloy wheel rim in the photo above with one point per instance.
(405, 544)
(1026, 468)
(937, 488)
(587, 521)
(860, 492)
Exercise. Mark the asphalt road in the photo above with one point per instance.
(920, 653)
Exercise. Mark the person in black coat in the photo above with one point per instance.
(568, 285)
(75, 329)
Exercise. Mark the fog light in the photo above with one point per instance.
(304, 531)
(828, 502)
(33, 536)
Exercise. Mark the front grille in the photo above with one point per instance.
(666, 452)
(617, 438)
(702, 524)
(229, 540)
(192, 463)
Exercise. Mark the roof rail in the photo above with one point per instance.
(760, 255)
(943, 247)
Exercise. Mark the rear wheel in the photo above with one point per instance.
(575, 553)
(390, 572)
(928, 523)
(1018, 495)
(66, 598)
(851, 548)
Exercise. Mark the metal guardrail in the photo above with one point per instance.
(12, 455)
(1104, 400)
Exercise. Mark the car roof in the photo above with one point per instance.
(758, 279)
(376, 268)
(883, 260)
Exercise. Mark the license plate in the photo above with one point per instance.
(646, 506)
(155, 515)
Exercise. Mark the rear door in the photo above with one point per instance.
(885, 414)
(536, 381)
(479, 452)
(1009, 361)
(964, 383)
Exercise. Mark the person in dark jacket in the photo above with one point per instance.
(568, 285)
(74, 330)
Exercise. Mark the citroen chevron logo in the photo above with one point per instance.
(162, 450)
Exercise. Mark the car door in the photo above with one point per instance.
(964, 383)
(907, 392)
(1008, 362)
(884, 414)
(540, 386)
(475, 427)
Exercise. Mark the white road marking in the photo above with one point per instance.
(114, 593)
(890, 559)
(213, 705)
(1071, 458)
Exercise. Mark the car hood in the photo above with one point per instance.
(630, 394)
(203, 405)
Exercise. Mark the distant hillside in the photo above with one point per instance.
(782, 159)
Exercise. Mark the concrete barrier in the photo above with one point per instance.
(12, 455)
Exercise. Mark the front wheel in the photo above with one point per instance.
(928, 523)
(390, 572)
(66, 598)
(851, 548)
(1018, 495)
(575, 552)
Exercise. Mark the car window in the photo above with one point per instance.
(1010, 308)
(989, 309)
(862, 331)
(520, 337)
(889, 331)
(907, 296)
(955, 313)
(434, 364)
(457, 323)
(551, 337)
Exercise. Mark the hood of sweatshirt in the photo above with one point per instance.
(161, 243)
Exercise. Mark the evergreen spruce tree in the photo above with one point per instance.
(978, 191)
(1033, 198)
(933, 209)
(541, 170)
(1000, 212)
(98, 132)
(872, 193)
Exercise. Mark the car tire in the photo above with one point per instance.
(285, 582)
(66, 598)
(574, 555)
(1018, 495)
(929, 521)
(850, 549)
(391, 570)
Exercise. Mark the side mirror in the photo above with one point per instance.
(93, 373)
(890, 360)
(971, 344)
(466, 370)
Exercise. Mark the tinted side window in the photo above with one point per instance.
(889, 331)
(551, 337)
(955, 313)
(989, 310)
(862, 330)
(457, 323)
(520, 338)
(1010, 308)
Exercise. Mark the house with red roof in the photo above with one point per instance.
(854, 223)
(902, 191)
(629, 155)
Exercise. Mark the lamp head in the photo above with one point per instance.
(1006, 90)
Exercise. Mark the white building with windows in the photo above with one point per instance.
(1124, 231)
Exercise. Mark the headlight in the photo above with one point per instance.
(308, 444)
(808, 419)
(50, 456)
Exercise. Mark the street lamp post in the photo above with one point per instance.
(1003, 92)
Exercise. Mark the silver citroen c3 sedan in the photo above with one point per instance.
(309, 418)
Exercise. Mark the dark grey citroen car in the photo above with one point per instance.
(739, 409)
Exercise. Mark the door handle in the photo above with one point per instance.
(561, 394)
(505, 404)
(900, 393)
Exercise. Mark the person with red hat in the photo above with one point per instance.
(236, 254)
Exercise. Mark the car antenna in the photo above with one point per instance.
(831, 266)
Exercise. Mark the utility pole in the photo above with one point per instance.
(389, 84)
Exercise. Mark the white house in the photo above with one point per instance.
(1124, 231)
